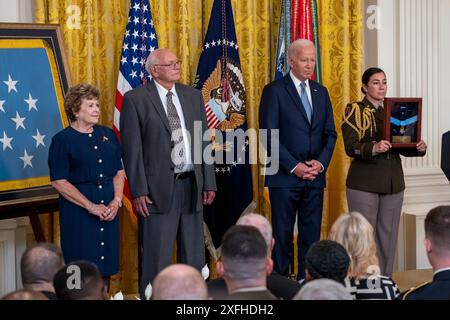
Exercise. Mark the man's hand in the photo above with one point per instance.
(315, 166)
(208, 197)
(305, 172)
(140, 204)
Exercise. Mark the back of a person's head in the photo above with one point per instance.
(23, 294)
(323, 289)
(79, 280)
(259, 222)
(179, 282)
(40, 262)
(437, 230)
(327, 259)
(355, 233)
(244, 253)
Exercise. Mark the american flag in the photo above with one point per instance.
(31, 112)
(138, 42)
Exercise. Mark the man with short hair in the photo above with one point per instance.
(179, 282)
(297, 112)
(280, 286)
(80, 280)
(38, 266)
(160, 124)
(437, 245)
(245, 265)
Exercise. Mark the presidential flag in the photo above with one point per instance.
(138, 42)
(298, 20)
(31, 112)
(219, 77)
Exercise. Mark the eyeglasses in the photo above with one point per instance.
(172, 65)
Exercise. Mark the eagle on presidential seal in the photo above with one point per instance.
(224, 95)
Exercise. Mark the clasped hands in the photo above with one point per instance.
(308, 170)
(105, 213)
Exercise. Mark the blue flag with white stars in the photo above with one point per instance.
(31, 112)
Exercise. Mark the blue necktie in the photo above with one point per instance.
(305, 101)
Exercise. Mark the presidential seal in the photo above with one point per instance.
(224, 95)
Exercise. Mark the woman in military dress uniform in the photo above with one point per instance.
(375, 182)
(86, 169)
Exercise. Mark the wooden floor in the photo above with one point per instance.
(411, 278)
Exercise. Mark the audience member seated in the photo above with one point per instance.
(364, 281)
(279, 285)
(326, 259)
(323, 289)
(24, 294)
(80, 280)
(179, 282)
(437, 245)
(38, 266)
(245, 265)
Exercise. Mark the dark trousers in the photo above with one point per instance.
(159, 231)
(307, 204)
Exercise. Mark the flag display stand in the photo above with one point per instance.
(30, 203)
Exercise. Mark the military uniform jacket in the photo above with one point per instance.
(382, 173)
(439, 289)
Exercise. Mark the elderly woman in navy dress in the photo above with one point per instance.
(86, 169)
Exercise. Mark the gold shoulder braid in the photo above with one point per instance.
(363, 121)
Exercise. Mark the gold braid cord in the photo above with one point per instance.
(363, 121)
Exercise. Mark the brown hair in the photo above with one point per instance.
(437, 229)
(74, 97)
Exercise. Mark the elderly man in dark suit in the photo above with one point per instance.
(169, 183)
(300, 109)
(437, 245)
(445, 154)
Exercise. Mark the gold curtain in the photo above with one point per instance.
(340, 32)
(93, 34)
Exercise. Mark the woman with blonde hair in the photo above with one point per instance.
(364, 281)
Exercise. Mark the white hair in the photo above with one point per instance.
(151, 60)
(298, 44)
(323, 289)
(259, 222)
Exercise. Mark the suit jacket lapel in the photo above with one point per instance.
(314, 97)
(184, 101)
(290, 87)
(157, 103)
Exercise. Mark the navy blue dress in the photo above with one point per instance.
(89, 162)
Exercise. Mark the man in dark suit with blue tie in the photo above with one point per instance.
(298, 115)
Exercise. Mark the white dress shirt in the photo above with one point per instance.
(299, 89)
(188, 166)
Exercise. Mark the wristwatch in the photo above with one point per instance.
(119, 201)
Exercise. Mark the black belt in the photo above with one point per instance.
(183, 175)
